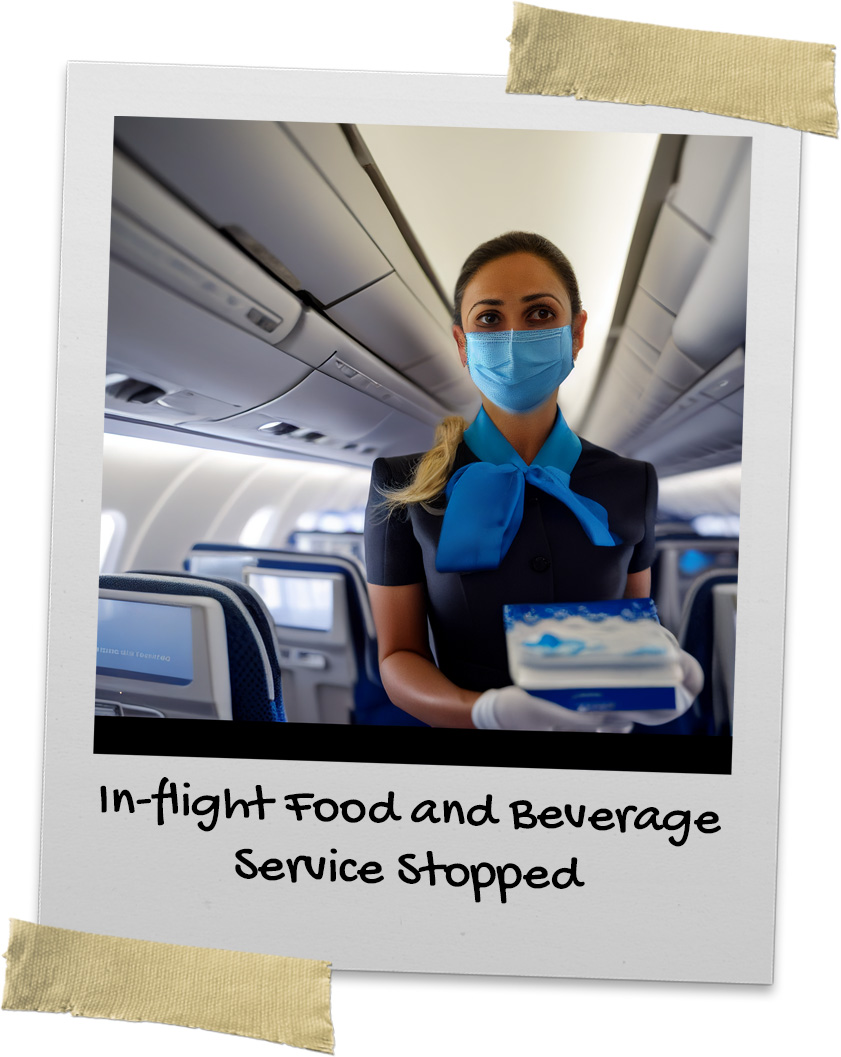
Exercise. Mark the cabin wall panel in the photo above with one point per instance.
(182, 514)
(174, 496)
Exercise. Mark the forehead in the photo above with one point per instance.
(514, 276)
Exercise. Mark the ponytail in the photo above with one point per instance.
(433, 471)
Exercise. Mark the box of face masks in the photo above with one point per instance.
(593, 656)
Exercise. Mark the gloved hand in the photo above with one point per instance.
(511, 708)
(685, 694)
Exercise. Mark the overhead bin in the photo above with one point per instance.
(352, 172)
(709, 416)
(363, 372)
(250, 176)
(174, 363)
(386, 316)
(461, 394)
(678, 369)
(672, 390)
(675, 254)
(298, 200)
(709, 165)
(711, 439)
(722, 281)
(649, 319)
(201, 334)
(403, 316)
(192, 321)
(160, 339)
(157, 235)
(319, 341)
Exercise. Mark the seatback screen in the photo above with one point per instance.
(145, 640)
(304, 602)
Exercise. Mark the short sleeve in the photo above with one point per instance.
(393, 556)
(643, 555)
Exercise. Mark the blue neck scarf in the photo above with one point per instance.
(485, 499)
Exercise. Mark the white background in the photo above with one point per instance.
(376, 1013)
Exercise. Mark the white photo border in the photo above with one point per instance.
(704, 911)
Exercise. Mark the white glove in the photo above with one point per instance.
(685, 694)
(512, 708)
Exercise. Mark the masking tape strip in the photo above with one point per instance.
(261, 996)
(781, 82)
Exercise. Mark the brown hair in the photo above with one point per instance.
(517, 242)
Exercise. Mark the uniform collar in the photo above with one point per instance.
(560, 450)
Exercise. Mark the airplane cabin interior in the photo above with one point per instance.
(278, 318)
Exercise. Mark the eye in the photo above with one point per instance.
(541, 314)
(487, 319)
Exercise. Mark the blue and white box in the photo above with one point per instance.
(593, 656)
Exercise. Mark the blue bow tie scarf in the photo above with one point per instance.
(485, 499)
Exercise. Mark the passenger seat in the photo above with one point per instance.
(253, 663)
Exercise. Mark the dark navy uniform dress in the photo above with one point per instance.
(550, 560)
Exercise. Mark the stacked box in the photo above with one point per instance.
(593, 656)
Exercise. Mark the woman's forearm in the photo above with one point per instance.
(415, 684)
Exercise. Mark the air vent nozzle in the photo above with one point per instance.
(278, 429)
(133, 391)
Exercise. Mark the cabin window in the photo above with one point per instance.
(716, 524)
(259, 528)
(352, 520)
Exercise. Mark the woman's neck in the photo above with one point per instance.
(525, 433)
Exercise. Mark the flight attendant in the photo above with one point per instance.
(514, 508)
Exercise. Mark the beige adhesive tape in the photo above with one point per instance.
(259, 995)
(782, 82)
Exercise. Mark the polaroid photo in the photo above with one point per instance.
(257, 279)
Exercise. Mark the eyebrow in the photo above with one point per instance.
(534, 297)
(525, 300)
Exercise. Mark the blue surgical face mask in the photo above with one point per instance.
(519, 369)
